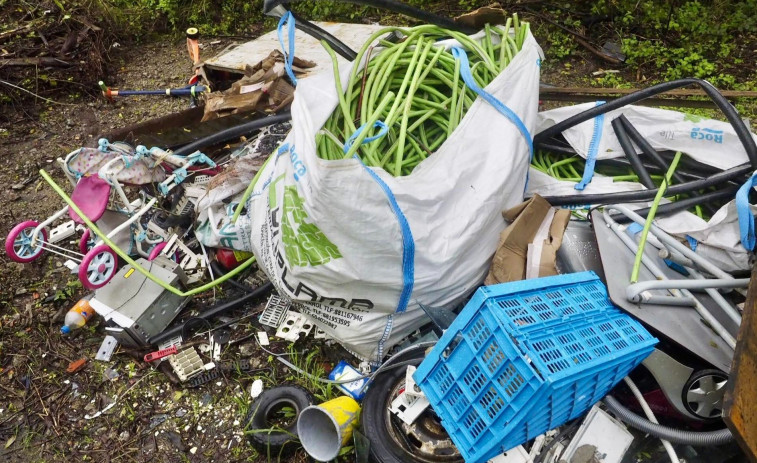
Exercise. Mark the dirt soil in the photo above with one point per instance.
(47, 414)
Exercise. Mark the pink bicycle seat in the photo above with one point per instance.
(91, 194)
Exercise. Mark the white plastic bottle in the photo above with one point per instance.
(77, 316)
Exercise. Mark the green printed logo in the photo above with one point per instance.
(304, 243)
(692, 118)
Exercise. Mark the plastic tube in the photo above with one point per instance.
(232, 132)
(650, 415)
(650, 218)
(646, 195)
(676, 436)
(681, 205)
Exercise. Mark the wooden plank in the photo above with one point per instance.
(740, 411)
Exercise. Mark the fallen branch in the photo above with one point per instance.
(35, 61)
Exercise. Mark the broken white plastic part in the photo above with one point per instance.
(263, 338)
(514, 455)
(61, 232)
(604, 434)
(408, 408)
(108, 346)
(293, 326)
(71, 265)
(412, 390)
(256, 389)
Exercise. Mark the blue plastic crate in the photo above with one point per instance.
(497, 381)
(533, 304)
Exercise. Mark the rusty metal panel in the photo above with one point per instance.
(235, 58)
(741, 395)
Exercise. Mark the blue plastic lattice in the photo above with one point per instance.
(525, 357)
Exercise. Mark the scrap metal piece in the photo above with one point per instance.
(294, 325)
(275, 311)
(137, 308)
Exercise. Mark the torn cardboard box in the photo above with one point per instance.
(528, 246)
(264, 87)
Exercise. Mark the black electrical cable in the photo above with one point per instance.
(646, 195)
(213, 312)
(232, 132)
(645, 147)
(313, 30)
(720, 101)
(397, 7)
(680, 205)
(628, 148)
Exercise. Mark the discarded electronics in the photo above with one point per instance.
(525, 357)
(600, 436)
(136, 308)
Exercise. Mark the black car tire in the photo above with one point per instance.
(264, 435)
(375, 420)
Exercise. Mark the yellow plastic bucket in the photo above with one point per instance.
(323, 429)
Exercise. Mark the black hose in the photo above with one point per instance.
(646, 195)
(397, 7)
(220, 271)
(645, 147)
(651, 168)
(631, 155)
(676, 436)
(232, 132)
(728, 110)
(680, 205)
(213, 312)
(318, 33)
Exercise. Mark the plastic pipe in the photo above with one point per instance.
(644, 146)
(232, 132)
(645, 195)
(631, 155)
(676, 436)
(633, 291)
(650, 415)
(650, 217)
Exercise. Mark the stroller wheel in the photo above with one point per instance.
(86, 242)
(18, 244)
(98, 267)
